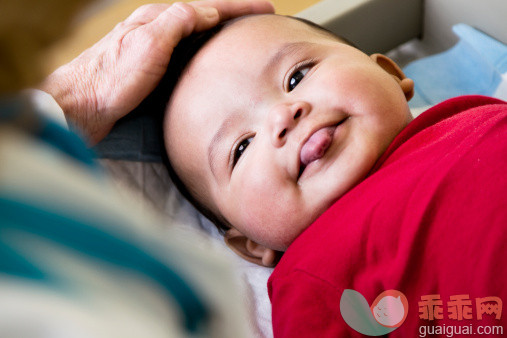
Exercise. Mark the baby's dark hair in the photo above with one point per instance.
(180, 59)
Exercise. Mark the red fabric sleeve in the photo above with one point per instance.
(307, 307)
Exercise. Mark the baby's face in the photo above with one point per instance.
(274, 121)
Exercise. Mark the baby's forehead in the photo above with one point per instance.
(239, 53)
(256, 36)
(241, 50)
(279, 23)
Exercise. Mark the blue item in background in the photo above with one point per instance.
(473, 66)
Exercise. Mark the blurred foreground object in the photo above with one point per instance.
(80, 260)
(26, 28)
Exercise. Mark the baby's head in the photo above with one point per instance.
(273, 120)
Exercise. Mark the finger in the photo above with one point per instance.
(232, 9)
(226, 10)
(181, 19)
(177, 22)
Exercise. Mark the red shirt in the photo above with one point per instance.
(431, 218)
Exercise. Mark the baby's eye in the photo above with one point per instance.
(296, 77)
(240, 149)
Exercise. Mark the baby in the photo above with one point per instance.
(282, 126)
(294, 141)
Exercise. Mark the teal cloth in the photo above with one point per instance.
(95, 238)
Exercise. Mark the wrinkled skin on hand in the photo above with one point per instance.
(111, 78)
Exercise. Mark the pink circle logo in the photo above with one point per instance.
(390, 308)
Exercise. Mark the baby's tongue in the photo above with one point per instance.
(316, 146)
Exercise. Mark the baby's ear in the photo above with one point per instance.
(406, 84)
(249, 250)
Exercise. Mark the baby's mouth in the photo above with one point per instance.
(316, 146)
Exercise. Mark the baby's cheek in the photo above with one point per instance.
(267, 213)
(258, 206)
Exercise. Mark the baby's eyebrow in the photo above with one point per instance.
(213, 145)
(287, 49)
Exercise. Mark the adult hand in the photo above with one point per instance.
(111, 78)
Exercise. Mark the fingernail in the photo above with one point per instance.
(208, 12)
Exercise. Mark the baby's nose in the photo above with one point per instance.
(284, 118)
